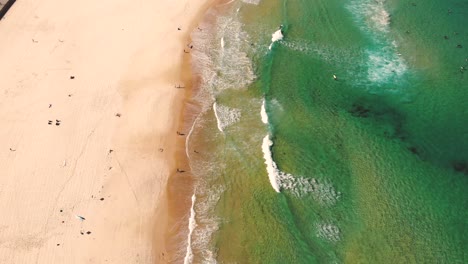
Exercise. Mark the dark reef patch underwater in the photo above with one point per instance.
(340, 136)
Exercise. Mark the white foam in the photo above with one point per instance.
(263, 113)
(272, 169)
(384, 66)
(371, 14)
(328, 231)
(381, 18)
(225, 116)
(278, 35)
(225, 68)
(192, 224)
(322, 191)
(208, 196)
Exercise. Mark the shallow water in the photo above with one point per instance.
(343, 142)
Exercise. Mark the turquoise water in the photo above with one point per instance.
(361, 154)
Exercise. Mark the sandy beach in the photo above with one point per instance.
(89, 112)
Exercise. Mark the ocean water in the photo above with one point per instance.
(328, 132)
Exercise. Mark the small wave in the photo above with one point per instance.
(192, 224)
(263, 113)
(225, 116)
(277, 36)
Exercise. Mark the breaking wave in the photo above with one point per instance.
(323, 192)
(272, 169)
(277, 36)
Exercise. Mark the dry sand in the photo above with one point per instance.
(125, 56)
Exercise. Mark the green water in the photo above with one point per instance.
(387, 142)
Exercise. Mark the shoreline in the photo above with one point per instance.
(179, 189)
(182, 186)
(109, 81)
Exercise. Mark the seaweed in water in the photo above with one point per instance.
(461, 166)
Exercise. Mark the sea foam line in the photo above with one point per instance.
(192, 224)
